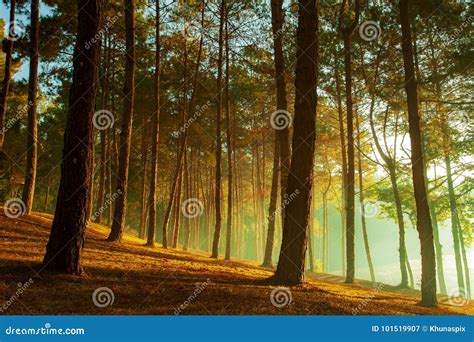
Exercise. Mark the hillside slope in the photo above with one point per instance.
(156, 281)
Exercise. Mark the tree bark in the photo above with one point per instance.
(455, 228)
(177, 204)
(143, 204)
(184, 135)
(361, 202)
(423, 224)
(5, 86)
(218, 181)
(64, 249)
(155, 135)
(103, 137)
(32, 138)
(127, 121)
(281, 154)
(342, 138)
(350, 195)
(229, 143)
(290, 269)
(267, 260)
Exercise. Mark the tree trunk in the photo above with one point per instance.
(229, 143)
(187, 193)
(361, 202)
(8, 49)
(267, 260)
(46, 198)
(390, 166)
(342, 137)
(177, 207)
(103, 137)
(290, 269)
(283, 134)
(143, 204)
(64, 249)
(127, 120)
(424, 227)
(350, 194)
(438, 248)
(218, 181)
(32, 137)
(325, 234)
(155, 135)
(455, 228)
(401, 227)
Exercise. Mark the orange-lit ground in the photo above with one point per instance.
(156, 281)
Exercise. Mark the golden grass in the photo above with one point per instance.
(155, 281)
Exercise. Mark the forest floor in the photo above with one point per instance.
(156, 281)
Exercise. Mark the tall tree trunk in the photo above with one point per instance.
(218, 181)
(361, 202)
(127, 121)
(455, 228)
(188, 169)
(64, 249)
(259, 202)
(342, 138)
(267, 260)
(281, 134)
(183, 140)
(389, 164)
(350, 195)
(423, 224)
(467, 290)
(103, 136)
(143, 204)
(401, 226)
(46, 197)
(438, 248)
(155, 135)
(310, 246)
(32, 139)
(431, 202)
(182, 149)
(229, 143)
(8, 49)
(177, 206)
(290, 269)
